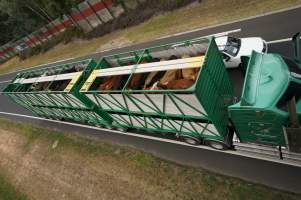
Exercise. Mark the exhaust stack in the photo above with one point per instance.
(296, 45)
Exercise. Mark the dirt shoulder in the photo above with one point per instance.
(51, 165)
(196, 15)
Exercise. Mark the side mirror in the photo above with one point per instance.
(226, 58)
(296, 45)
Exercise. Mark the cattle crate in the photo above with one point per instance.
(181, 88)
(53, 92)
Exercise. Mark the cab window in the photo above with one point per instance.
(232, 46)
(293, 88)
(291, 91)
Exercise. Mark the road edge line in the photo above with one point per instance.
(154, 138)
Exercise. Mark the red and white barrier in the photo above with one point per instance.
(37, 37)
(89, 13)
(2, 59)
(42, 35)
(34, 39)
(115, 9)
(101, 10)
(3, 52)
(28, 42)
(2, 55)
(53, 29)
(67, 21)
(58, 26)
(81, 21)
(9, 50)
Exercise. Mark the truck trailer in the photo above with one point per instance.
(181, 89)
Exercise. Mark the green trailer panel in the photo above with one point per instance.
(53, 92)
(199, 110)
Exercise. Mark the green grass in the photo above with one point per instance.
(8, 191)
(207, 13)
(32, 134)
(181, 181)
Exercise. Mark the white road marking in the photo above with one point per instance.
(5, 81)
(279, 41)
(199, 29)
(235, 21)
(225, 33)
(156, 139)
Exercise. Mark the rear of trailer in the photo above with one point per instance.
(180, 88)
(53, 92)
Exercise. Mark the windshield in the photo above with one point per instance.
(232, 46)
(293, 68)
(294, 88)
(291, 91)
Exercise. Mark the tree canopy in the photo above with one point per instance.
(21, 17)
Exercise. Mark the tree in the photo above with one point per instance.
(21, 17)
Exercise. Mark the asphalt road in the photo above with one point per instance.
(271, 27)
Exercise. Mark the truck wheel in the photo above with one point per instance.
(216, 145)
(190, 140)
(122, 129)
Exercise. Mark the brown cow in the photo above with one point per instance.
(169, 76)
(190, 74)
(135, 82)
(111, 83)
(152, 78)
(179, 84)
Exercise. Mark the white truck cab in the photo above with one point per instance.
(233, 48)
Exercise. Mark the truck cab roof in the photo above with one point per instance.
(266, 81)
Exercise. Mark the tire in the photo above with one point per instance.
(122, 129)
(191, 140)
(217, 145)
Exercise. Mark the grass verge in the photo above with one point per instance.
(53, 165)
(196, 15)
(9, 192)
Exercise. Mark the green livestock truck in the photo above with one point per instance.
(181, 89)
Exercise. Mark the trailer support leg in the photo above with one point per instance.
(280, 153)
